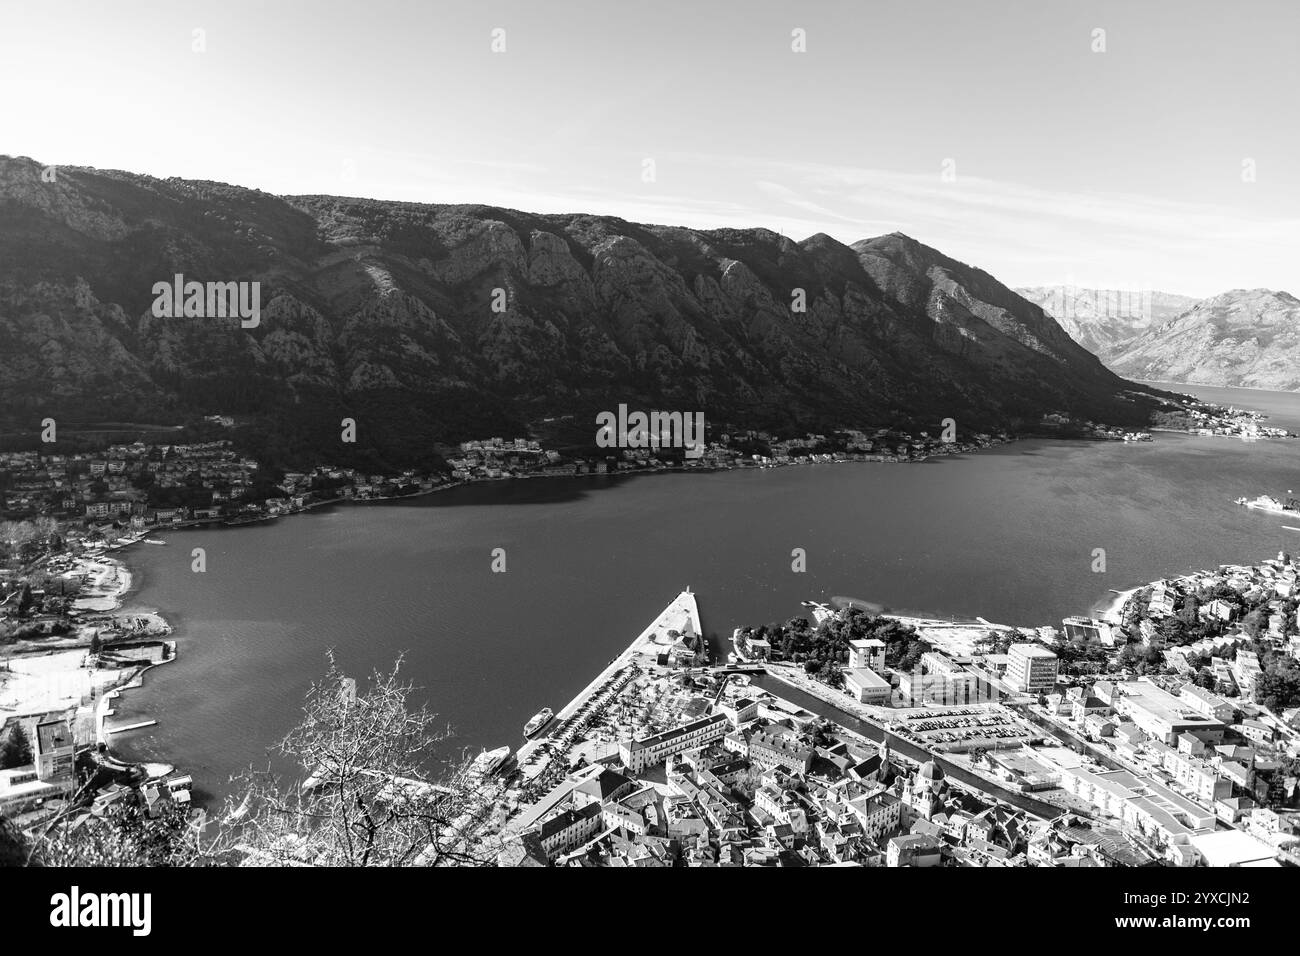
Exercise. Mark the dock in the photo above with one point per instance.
(138, 725)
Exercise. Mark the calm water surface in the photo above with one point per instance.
(1006, 533)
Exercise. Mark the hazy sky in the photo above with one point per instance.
(1120, 168)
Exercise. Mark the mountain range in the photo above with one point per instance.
(1243, 337)
(1102, 320)
(432, 323)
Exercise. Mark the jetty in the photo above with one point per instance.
(138, 725)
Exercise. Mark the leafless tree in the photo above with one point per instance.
(125, 835)
(366, 798)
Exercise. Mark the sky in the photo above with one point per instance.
(1161, 153)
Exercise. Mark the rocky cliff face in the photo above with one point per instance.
(445, 320)
(1104, 320)
(1246, 337)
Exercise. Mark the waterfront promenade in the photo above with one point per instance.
(680, 614)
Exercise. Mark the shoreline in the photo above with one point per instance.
(128, 580)
(55, 689)
(1244, 388)
(870, 459)
(113, 580)
(1115, 606)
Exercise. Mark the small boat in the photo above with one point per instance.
(1272, 505)
(489, 761)
(153, 541)
(540, 720)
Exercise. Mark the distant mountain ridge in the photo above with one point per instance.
(1243, 337)
(385, 311)
(1103, 320)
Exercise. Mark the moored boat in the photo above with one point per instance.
(489, 761)
(540, 720)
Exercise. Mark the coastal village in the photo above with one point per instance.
(116, 494)
(129, 488)
(1165, 733)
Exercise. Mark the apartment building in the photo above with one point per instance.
(1031, 668)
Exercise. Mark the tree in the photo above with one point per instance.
(831, 674)
(369, 803)
(367, 799)
(750, 780)
(16, 536)
(915, 650)
(25, 600)
(1251, 622)
(1175, 632)
(17, 749)
(1279, 685)
(14, 850)
(124, 836)
(1143, 659)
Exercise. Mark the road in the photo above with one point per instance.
(876, 732)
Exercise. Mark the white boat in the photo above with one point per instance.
(153, 541)
(489, 761)
(1271, 505)
(540, 720)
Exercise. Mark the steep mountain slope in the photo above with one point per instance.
(1102, 320)
(1247, 337)
(385, 311)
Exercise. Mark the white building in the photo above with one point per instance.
(867, 652)
(1031, 668)
(649, 751)
(867, 687)
(1234, 848)
(1161, 715)
(1207, 704)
